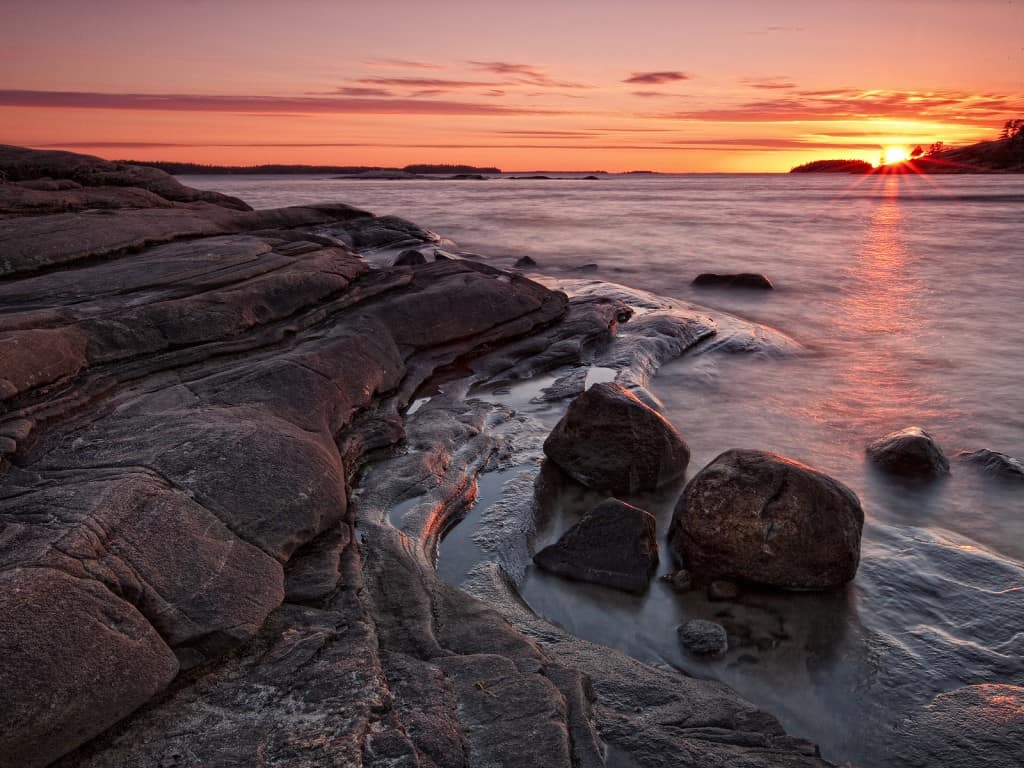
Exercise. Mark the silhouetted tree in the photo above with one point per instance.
(917, 152)
(937, 147)
(1012, 129)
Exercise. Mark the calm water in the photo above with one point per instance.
(909, 294)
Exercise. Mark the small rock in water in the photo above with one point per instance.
(525, 261)
(910, 452)
(703, 638)
(994, 463)
(410, 258)
(723, 590)
(587, 268)
(680, 580)
(741, 280)
(614, 544)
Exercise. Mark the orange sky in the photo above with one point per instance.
(670, 86)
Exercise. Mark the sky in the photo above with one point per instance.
(725, 86)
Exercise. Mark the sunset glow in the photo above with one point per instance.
(895, 155)
(742, 86)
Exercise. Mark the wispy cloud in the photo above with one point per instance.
(769, 83)
(276, 105)
(403, 64)
(358, 91)
(656, 78)
(650, 94)
(526, 74)
(848, 104)
(425, 82)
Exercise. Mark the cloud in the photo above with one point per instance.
(769, 83)
(656, 78)
(403, 64)
(524, 74)
(425, 82)
(853, 104)
(265, 105)
(356, 91)
(650, 94)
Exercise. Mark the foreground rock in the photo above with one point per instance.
(183, 421)
(614, 544)
(909, 452)
(996, 464)
(610, 441)
(741, 280)
(759, 518)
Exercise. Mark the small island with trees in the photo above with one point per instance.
(1002, 155)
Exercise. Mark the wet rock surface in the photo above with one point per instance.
(755, 517)
(909, 452)
(611, 441)
(189, 405)
(994, 464)
(614, 544)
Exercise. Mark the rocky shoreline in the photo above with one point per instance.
(232, 441)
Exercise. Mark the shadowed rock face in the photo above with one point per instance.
(910, 452)
(614, 544)
(610, 441)
(763, 519)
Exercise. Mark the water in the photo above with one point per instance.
(907, 292)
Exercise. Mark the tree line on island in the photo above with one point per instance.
(1002, 155)
(199, 169)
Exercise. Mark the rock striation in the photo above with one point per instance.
(759, 518)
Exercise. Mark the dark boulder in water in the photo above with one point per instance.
(995, 464)
(587, 268)
(909, 452)
(741, 280)
(410, 258)
(611, 441)
(759, 518)
(703, 638)
(613, 544)
(525, 261)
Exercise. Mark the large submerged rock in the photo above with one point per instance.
(611, 441)
(995, 464)
(613, 544)
(909, 452)
(760, 518)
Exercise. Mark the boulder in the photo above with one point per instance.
(759, 518)
(740, 280)
(611, 441)
(703, 638)
(525, 261)
(995, 464)
(613, 544)
(910, 452)
(410, 258)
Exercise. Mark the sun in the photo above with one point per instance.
(892, 155)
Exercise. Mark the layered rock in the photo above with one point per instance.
(909, 452)
(740, 280)
(611, 441)
(995, 464)
(613, 544)
(190, 391)
(760, 518)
